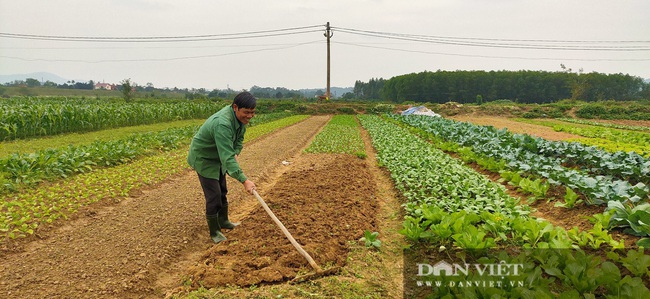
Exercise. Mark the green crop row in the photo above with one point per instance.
(599, 175)
(340, 135)
(549, 259)
(271, 124)
(602, 124)
(520, 157)
(613, 146)
(426, 175)
(632, 218)
(21, 213)
(53, 163)
(626, 140)
(36, 144)
(34, 117)
(27, 169)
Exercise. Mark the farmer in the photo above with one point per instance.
(213, 154)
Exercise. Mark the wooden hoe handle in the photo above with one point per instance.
(287, 234)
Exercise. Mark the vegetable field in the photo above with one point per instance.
(455, 214)
(408, 206)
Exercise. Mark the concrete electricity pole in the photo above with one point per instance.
(328, 34)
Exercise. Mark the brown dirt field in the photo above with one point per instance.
(321, 212)
(367, 272)
(515, 126)
(140, 247)
(155, 243)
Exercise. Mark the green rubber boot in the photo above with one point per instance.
(215, 230)
(223, 219)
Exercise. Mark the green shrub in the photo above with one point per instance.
(382, 108)
(346, 110)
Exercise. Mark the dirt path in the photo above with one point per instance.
(137, 248)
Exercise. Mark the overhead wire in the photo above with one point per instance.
(487, 56)
(165, 59)
(179, 38)
(498, 43)
(527, 44)
(122, 47)
(497, 39)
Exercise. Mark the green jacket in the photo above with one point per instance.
(215, 145)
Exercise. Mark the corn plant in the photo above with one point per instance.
(35, 117)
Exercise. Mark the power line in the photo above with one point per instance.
(498, 39)
(536, 44)
(160, 59)
(146, 47)
(489, 56)
(500, 43)
(180, 38)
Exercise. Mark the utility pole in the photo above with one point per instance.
(328, 34)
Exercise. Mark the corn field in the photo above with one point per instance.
(37, 117)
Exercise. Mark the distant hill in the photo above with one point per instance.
(40, 76)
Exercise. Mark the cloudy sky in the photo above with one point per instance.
(280, 43)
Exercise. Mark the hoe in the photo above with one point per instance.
(319, 272)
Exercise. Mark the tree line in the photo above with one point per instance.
(192, 94)
(519, 86)
(31, 82)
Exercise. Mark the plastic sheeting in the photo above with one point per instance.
(420, 110)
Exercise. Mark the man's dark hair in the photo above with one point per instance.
(245, 100)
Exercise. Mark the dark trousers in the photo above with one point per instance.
(215, 194)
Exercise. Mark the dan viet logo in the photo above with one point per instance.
(470, 275)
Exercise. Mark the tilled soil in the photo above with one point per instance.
(323, 200)
(139, 247)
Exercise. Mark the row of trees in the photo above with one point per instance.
(200, 93)
(520, 86)
(435, 87)
(258, 92)
(370, 90)
(89, 85)
(31, 82)
(277, 93)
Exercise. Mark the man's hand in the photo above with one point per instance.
(249, 186)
